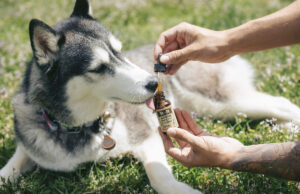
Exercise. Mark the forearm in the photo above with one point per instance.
(280, 160)
(276, 30)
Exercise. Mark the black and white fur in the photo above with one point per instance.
(78, 71)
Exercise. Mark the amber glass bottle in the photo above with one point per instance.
(164, 111)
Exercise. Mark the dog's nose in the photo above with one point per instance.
(151, 85)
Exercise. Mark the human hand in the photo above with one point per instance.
(185, 42)
(198, 148)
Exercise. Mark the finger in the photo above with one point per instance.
(180, 119)
(191, 123)
(181, 41)
(177, 56)
(181, 122)
(157, 51)
(171, 47)
(165, 37)
(170, 148)
(171, 69)
(182, 144)
(183, 135)
(174, 68)
(166, 138)
(177, 155)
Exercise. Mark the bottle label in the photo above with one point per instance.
(166, 118)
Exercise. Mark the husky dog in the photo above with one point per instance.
(78, 72)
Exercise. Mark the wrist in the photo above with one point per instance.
(239, 38)
(227, 44)
(231, 158)
(244, 38)
(233, 41)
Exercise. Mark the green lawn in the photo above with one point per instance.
(137, 22)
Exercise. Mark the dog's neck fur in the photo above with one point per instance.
(87, 110)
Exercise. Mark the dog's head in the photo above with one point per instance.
(83, 61)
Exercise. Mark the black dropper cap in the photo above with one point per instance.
(159, 67)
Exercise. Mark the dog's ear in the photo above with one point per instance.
(45, 42)
(82, 9)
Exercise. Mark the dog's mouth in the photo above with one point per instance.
(150, 104)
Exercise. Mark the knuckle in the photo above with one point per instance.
(184, 52)
(162, 35)
(183, 24)
(184, 135)
(175, 56)
(178, 55)
(162, 38)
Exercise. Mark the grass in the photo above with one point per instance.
(136, 23)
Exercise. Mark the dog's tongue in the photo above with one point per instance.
(150, 104)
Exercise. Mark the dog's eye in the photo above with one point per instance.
(102, 69)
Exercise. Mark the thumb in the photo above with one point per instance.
(183, 135)
(177, 56)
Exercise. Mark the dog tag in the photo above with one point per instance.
(108, 143)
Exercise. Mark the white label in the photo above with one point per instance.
(166, 118)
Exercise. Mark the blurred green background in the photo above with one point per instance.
(135, 23)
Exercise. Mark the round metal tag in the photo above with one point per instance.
(108, 143)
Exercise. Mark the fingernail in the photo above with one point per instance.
(171, 132)
(164, 59)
